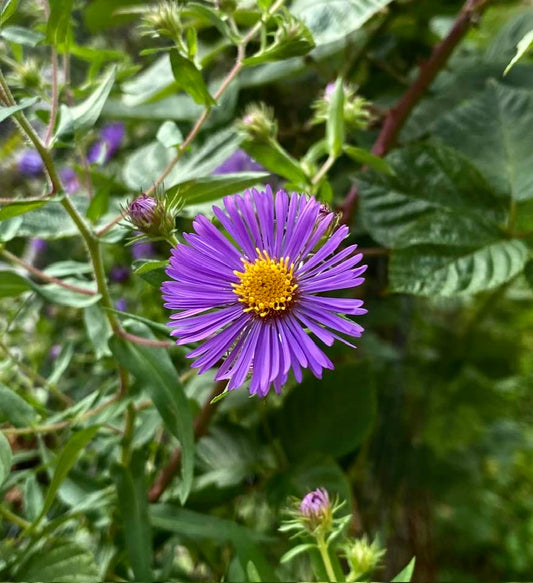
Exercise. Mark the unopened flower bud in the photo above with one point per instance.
(142, 212)
(258, 123)
(163, 20)
(152, 216)
(362, 556)
(316, 510)
(356, 108)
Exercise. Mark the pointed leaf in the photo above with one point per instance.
(189, 78)
(5, 112)
(406, 573)
(6, 458)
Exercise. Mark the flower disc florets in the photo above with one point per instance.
(250, 290)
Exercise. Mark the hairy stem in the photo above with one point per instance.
(324, 553)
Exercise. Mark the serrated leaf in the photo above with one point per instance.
(335, 120)
(302, 425)
(5, 112)
(489, 130)
(169, 134)
(209, 188)
(15, 409)
(189, 78)
(66, 459)
(453, 271)
(85, 115)
(64, 562)
(331, 20)
(431, 182)
(406, 573)
(5, 458)
(368, 159)
(156, 373)
(133, 507)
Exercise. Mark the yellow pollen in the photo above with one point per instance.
(267, 285)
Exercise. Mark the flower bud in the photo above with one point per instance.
(163, 20)
(151, 216)
(356, 109)
(316, 510)
(258, 123)
(362, 556)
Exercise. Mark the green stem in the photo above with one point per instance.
(324, 553)
(8, 515)
(128, 434)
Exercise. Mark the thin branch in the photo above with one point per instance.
(44, 276)
(146, 341)
(398, 115)
(201, 425)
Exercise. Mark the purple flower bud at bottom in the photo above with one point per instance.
(315, 504)
(30, 163)
(119, 273)
(121, 305)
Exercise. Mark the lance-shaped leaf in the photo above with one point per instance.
(189, 78)
(5, 458)
(5, 112)
(59, 21)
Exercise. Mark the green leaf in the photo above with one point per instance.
(152, 271)
(209, 188)
(9, 8)
(189, 78)
(368, 159)
(61, 362)
(204, 527)
(489, 131)
(432, 184)
(33, 498)
(10, 228)
(522, 47)
(68, 267)
(85, 115)
(64, 562)
(19, 207)
(154, 370)
(274, 158)
(12, 284)
(348, 393)
(453, 271)
(528, 272)
(15, 409)
(51, 221)
(331, 20)
(57, 294)
(5, 458)
(133, 507)
(335, 121)
(295, 551)
(169, 134)
(67, 458)
(5, 112)
(21, 36)
(59, 21)
(406, 573)
(98, 330)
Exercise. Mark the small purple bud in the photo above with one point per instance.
(328, 91)
(30, 163)
(143, 250)
(70, 180)
(121, 305)
(316, 510)
(141, 211)
(119, 273)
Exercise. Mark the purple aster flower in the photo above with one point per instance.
(121, 305)
(316, 504)
(239, 161)
(111, 137)
(70, 180)
(30, 163)
(119, 273)
(254, 288)
(143, 250)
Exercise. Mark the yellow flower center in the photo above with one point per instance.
(266, 286)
